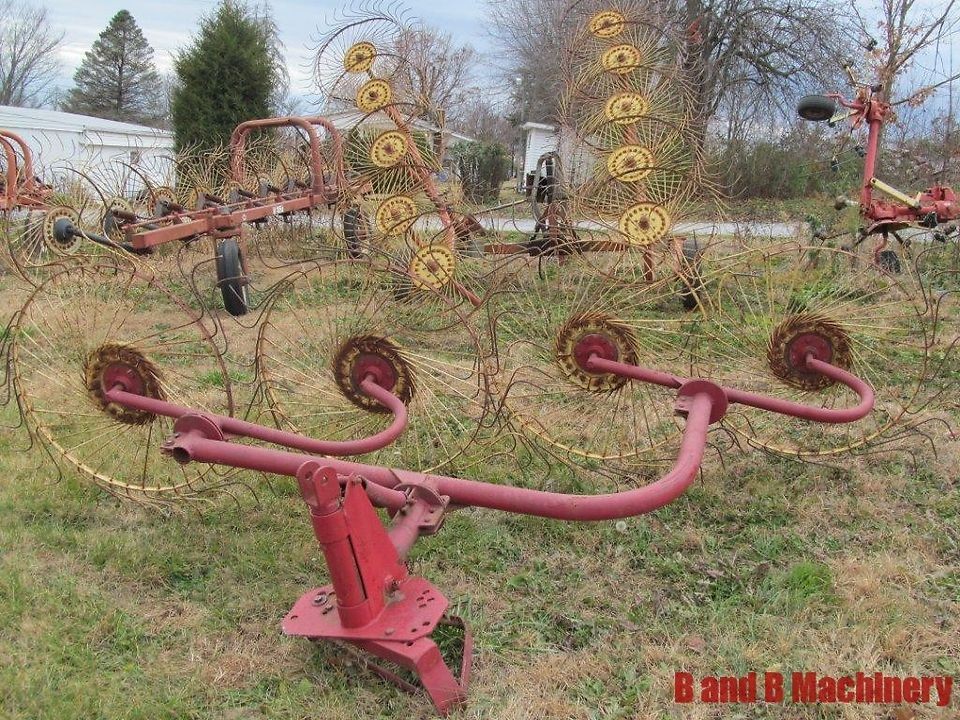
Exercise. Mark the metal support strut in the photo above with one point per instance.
(372, 601)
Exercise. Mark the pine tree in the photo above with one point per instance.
(230, 73)
(117, 79)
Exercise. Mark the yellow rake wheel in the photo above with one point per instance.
(636, 170)
(432, 267)
(396, 215)
(374, 95)
(359, 57)
(388, 149)
(307, 354)
(81, 327)
(626, 108)
(607, 24)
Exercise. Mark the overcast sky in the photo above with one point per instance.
(169, 24)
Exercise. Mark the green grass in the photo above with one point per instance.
(112, 611)
(116, 612)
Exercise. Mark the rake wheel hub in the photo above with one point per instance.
(594, 335)
(377, 358)
(432, 267)
(802, 336)
(113, 364)
(607, 24)
(59, 225)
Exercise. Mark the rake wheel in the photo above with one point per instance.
(788, 300)
(548, 323)
(329, 327)
(634, 165)
(80, 330)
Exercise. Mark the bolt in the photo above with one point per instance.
(320, 599)
(388, 631)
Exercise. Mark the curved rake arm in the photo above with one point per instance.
(761, 402)
(28, 176)
(701, 401)
(10, 185)
(197, 440)
(240, 428)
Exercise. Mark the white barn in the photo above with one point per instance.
(62, 141)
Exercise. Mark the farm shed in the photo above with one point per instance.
(540, 138)
(63, 141)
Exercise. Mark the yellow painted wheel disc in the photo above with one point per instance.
(388, 149)
(49, 236)
(617, 334)
(621, 59)
(374, 95)
(644, 223)
(625, 108)
(432, 267)
(396, 215)
(359, 57)
(607, 24)
(630, 163)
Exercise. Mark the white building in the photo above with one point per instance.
(127, 155)
(540, 139)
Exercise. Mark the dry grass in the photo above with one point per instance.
(110, 611)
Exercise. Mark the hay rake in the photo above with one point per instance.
(934, 209)
(373, 602)
(389, 376)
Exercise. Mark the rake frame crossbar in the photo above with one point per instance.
(372, 603)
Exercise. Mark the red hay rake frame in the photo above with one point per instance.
(372, 602)
(224, 220)
(931, 208)
(21, 189)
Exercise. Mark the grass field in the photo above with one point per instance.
(114, 611)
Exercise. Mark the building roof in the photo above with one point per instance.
(39, 119)
(346, 119)
(538, 126)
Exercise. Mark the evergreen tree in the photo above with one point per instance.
(230, 73)
(117, 79)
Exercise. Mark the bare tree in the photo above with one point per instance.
(438, 72)
(908, 30)
(762, 49)
(28, 54)
(766, 50)
(483, 118)
(529, 35)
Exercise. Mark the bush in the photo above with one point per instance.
(482, 167)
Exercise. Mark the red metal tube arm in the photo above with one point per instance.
(761, 402)
(194, 446)
(233, 426)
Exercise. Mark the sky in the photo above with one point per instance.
(170, 24)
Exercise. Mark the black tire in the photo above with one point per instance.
(816, 108)
(691, 281)
(356, 232)
(231, 279)
(889, 262)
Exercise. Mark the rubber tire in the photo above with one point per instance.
(889, 262)
(692, 285)
(816, 108)
(231, 278)
(356, 232)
